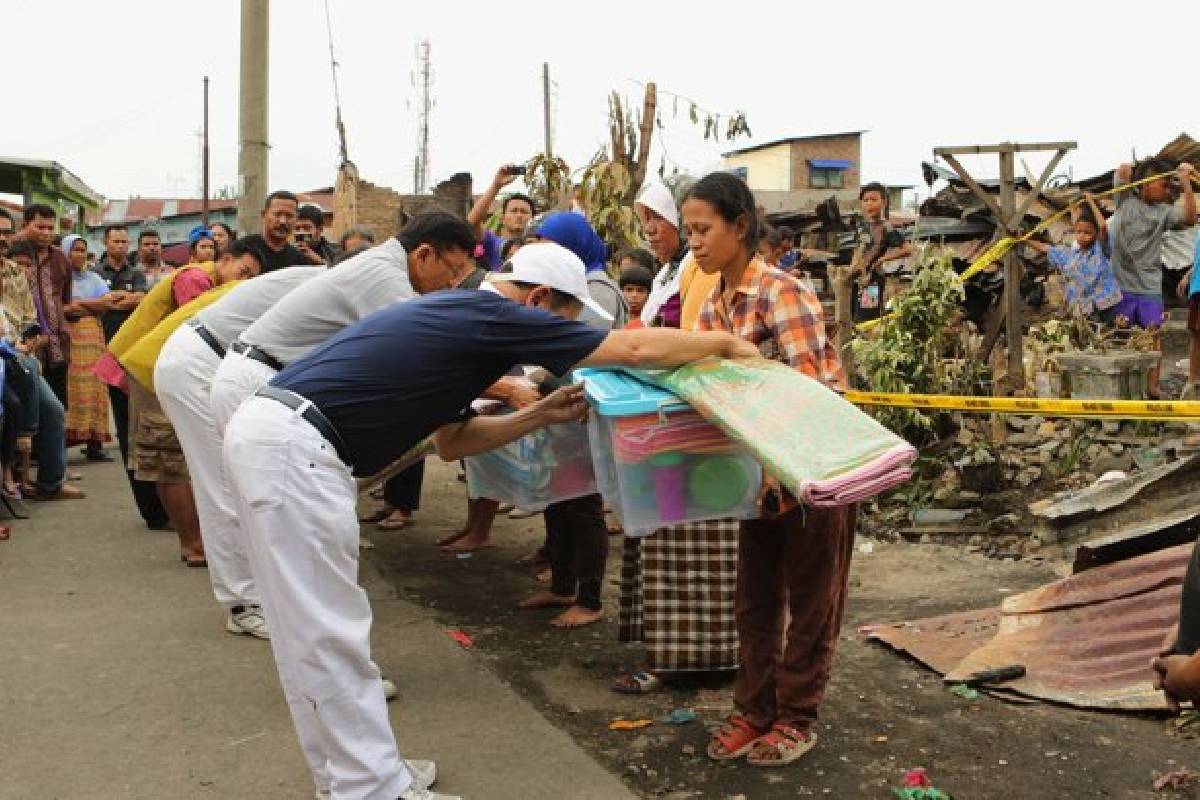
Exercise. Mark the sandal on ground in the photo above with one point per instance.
(781, 746)
(196, 563)
(64, 492)
(5, 532)
(375, 516)
(734, 739)
(394, 522)
(637, 683)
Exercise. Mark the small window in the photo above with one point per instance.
(825, 178)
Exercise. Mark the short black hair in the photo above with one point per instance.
(786, 232)
(439, 229)
(228, 230)
(22, 247)
(772, 236)
(114, 227)
(30, 330)
(249, 245)
(6, 214)
(311, 213)
(146, 234)
(558, 299)
(732, 199)
(637, 275)
(39, 210)
(280, 194)
(518, 196)
(1151, 166)
(639, 255)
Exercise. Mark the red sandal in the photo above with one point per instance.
(783, 743)
(734, 739)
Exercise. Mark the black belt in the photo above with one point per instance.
(312, 415)
(258, 354)
(205, 334)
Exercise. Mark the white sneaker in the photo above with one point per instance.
(248, 620)
(424, 773)
(389, 689)
(522, 513)
(413, 793)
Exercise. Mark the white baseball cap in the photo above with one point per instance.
(550, 264)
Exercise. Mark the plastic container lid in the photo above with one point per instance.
(614, 393)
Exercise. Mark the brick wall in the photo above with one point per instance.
(845, 148)
(384, 211)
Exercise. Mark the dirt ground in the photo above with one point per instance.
(884, 714)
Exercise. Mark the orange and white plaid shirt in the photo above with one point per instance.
(781, 316)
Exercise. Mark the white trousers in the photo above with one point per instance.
(236, 379)
(297, 503)
(182, 379)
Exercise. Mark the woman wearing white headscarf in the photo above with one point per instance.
(87, 406)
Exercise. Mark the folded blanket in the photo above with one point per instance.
(639, 438)
(820, 447)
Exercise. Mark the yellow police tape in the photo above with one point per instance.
(1150, 410)
(1001, 246)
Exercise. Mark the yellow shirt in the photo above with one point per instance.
(694, 288)
(139, 360)
(155, 306)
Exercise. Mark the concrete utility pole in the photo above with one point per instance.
(204, 159)
(546, 106)
(253, 107)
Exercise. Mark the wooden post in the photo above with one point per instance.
(842, 280)
(1012, 273)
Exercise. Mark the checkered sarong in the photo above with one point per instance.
(677, 596)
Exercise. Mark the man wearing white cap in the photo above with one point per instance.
(660, 221)
(351, 406)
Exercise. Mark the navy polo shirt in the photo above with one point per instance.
(391, 379)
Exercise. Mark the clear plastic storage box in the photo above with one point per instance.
(658, 462)
(543, 467)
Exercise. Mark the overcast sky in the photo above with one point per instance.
(114, 89)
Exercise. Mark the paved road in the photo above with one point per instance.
(117, 680)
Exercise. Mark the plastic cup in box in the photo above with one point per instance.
(657, 462)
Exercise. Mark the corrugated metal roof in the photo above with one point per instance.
(1085, 641)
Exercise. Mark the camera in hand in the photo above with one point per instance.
(515, 169)
(303, 238)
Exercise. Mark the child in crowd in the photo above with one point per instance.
(1136, 235)
(637, 278)
(882, 243)
(1091, 289)
(770, 247)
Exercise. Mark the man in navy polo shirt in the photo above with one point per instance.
(351, 406)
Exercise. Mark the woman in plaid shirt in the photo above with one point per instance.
(794, 559)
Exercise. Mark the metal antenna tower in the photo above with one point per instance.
(337, 98)
(421, 178)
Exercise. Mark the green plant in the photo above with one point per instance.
(549, 181)
(914, 351)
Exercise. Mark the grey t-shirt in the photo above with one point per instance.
(1136, 235)
(605, 291)
(310, 314)
(227, 318)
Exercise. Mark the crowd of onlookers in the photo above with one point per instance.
(61, 303)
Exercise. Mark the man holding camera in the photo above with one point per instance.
(309, 238)
(515, 212)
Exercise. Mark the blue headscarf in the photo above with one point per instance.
(573, 232)
(197, 233)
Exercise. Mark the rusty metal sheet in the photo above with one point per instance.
(1085, 640)
(940, 643)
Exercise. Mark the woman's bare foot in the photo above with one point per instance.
(546, 600)
(577, 617)
(467, 543)
(395, 521)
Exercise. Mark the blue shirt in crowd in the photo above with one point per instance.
(1090, 284)
(391, 379)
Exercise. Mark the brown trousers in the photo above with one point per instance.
(796, 565)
